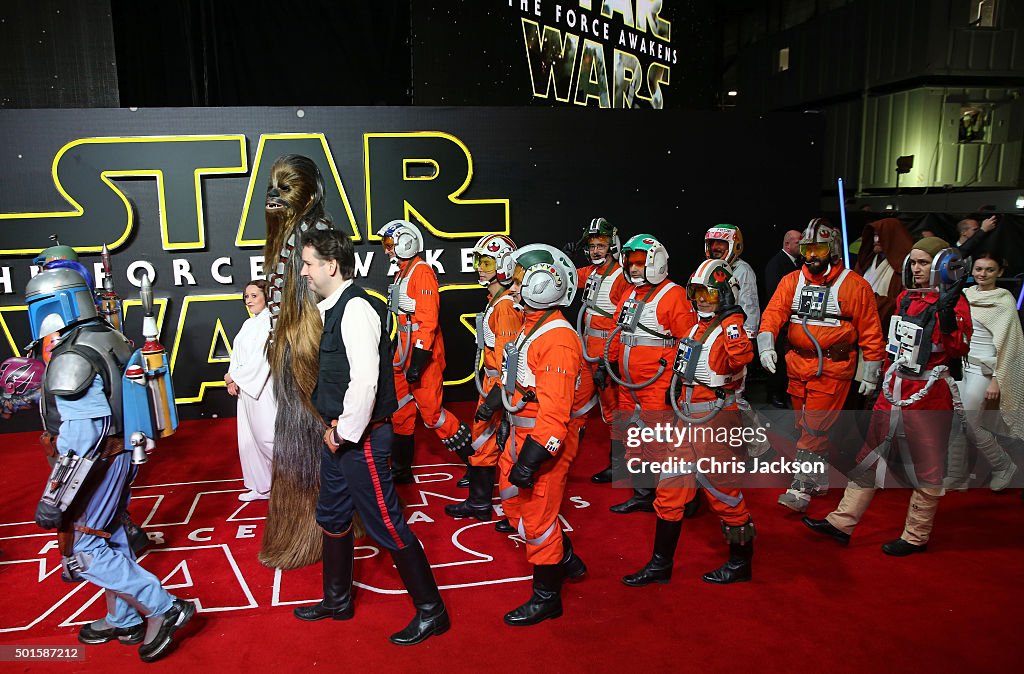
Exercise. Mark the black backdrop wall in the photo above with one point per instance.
(180, 191)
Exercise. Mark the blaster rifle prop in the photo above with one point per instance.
(110, 302)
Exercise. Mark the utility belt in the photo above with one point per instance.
(987, 365)
(376, 423)
(837, 353)
(707, 405)
(924, 374)
(521, 421)
(644, 340)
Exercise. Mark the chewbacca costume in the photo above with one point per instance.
(295, 196)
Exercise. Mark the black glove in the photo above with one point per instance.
(48, 516)
(502, 433)
(570, 248)
(601, 377)
(461, 443)
(531, 456)
(418, 360)
(947, 306)
(490, 405)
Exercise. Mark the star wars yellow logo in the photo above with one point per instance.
(568, 54)
(422, 176)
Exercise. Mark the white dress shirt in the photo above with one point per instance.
(360, 333)
(744, 275)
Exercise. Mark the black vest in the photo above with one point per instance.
(334, 376)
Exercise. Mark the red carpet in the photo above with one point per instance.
(812, 605)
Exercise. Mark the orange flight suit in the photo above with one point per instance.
(425, 393)
(729, 351)
(554, 357)
(667, 312)
(820, 398)
(598, 324)
(504, 319)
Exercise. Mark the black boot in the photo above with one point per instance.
(692, 508)
(572, 565)
(605, 476)
(659, 569)
(642, 500)
(737, 569)
(478, 505)
(337, 565)
(465, 480)
(431, 616)
(401, 458)
(546, 601)
(504, 527)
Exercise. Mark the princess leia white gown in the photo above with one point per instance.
(256, 405)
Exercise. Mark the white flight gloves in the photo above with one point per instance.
(766, 348)
(872, 373)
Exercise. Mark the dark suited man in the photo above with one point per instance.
(355, 395)
(785, 261)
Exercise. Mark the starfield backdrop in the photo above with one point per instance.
(178, 194)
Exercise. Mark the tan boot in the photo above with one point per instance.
(924, 503)
(851, 508)
(1003, 467)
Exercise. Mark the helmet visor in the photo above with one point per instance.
(519, 274)
(701, 293)
(818, 250)
(388, 242)
(636, 257)
(484, 263)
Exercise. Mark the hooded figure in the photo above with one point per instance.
(880, 263)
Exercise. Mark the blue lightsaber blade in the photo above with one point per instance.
(842, 220)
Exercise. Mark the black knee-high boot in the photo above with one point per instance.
(431, 616)
(642, 500)
(659, 569)
(401, 458)
(571, 563)
(739, 568)
(337, 565)
(481, 488)
(605, 476)
(546, 600)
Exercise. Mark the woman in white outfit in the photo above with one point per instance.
(992, 389)
(248, 378)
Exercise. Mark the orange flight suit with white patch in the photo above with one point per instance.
(724, 357)
(609, 286)
(501, 322)
(820, 398)
(666, 312)
(418, 294)
(551, 367)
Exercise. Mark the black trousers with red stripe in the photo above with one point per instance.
(357, 478)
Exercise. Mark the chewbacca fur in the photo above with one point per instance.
(292, 538)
